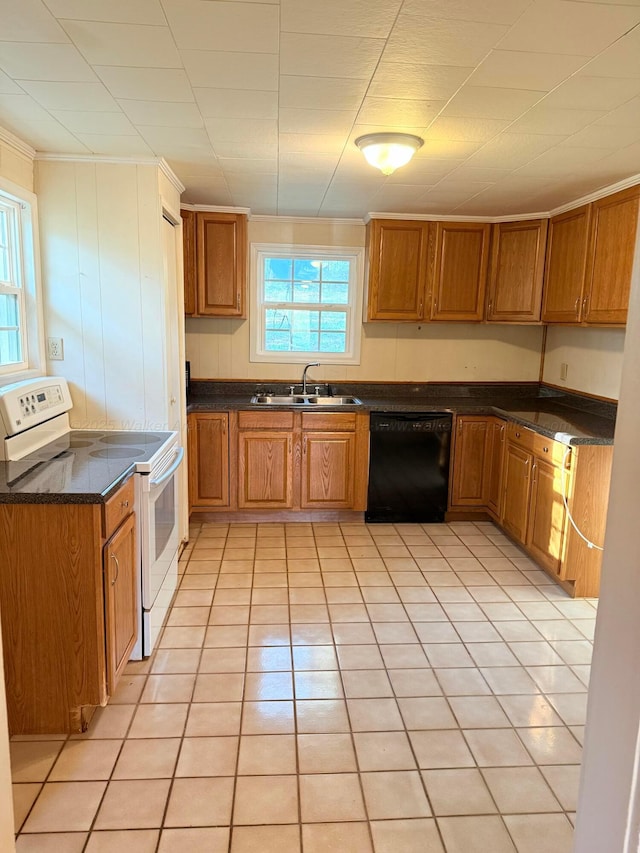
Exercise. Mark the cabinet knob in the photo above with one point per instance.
(113, 557)
(577, 308)
(124, 504)
(545, 449)
(517, 435)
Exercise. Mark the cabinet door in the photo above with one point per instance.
(545, 530)
(460, 270)
(516, 271)
(468, 483)
(221, 250)
(328, 469)
(516, 488)
(566, 265)
(397, 269)
(189, 260)
(209, 459)
(493, 471)
(614, 223)
(120, 599)
(265, 469)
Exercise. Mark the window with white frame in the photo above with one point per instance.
(306, 303)
(19, 312)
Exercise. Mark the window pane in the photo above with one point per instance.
(305, 319)
(336, 270)
(277, 341)
(4, 246)
(306, 291)
(278, 320)
(9, 309)
(334, 321)
(277, 291)
(305, 270)
(10, 349)
(332, 342)
(335, 294)
(277, 268)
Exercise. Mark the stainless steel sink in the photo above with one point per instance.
(303, 400)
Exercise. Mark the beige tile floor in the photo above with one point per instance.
(326, 687)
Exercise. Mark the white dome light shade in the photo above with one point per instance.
(388, 151)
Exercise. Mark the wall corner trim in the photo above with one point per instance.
(17, 143)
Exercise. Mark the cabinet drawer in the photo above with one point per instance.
(550, 450)
(118, 507)
(521, 436)
(329, 421)
(265, 420)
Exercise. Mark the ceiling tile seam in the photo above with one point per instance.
(349, 134)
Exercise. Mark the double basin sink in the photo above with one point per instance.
(303, 400)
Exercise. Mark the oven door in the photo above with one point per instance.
(159, 543)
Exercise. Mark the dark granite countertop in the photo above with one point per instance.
(83, 466)
(566, 417)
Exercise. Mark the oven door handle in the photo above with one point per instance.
(170, 470)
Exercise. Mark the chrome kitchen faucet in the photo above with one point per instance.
(304, 374)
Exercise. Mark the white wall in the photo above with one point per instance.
(16, 165)
(100, 226)
(593, 357)
(219, 349)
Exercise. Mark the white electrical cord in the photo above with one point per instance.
(590, 544)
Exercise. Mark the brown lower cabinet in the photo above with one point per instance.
(525, 481)
(69, 608)
(280, 460)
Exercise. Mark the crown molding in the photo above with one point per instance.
(306, 220)
(216, 208)
(434, 217)
(15, 142)
(631, 181)
(159, 162)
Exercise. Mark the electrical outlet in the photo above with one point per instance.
(55, 349)
(563, 371)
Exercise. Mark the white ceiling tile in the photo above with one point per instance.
(169, 114)
(241, 129)
(563, 26)
(116, 145)
(512, 150)
(561, 160)
(49, 135)
(188, 169)
(321, 93)
(247, 150)
(479, 173)
(252, 183)
(391, 112)
(544, 119)
(411, 80)
(146, 84)
(207, 25)
(304, 167)
(172, 140)
(237, 103)
(329, 56)
(122, 11)
(22, 107)
(230, 70)
(620, 164)
(519, 70)
(316, 121)
(233, 168)
(394, 196)
(372, 18)
(8, 87)
(417, 39)
(619, 60)
(593, 93)
(316, 143)
(425, 172)
(489, 11)
(37, 61)
(447, 149)
(92, 97)
(457, 128)
(206, 191)
(603, 136)
(628, 115)
(29, 20)
(451, 195)
(110, 124)
(132, 45)
(489, 102)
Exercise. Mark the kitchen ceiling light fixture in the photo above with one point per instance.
(388, 151)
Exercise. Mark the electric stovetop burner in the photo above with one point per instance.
(129, 439)
(117, 453)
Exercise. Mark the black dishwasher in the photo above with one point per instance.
(408, 467)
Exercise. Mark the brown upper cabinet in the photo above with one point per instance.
(589, 261)
(460, 270)
(398, 257)
(215, 261)
(516, 271)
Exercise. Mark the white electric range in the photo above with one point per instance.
(43, 458)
